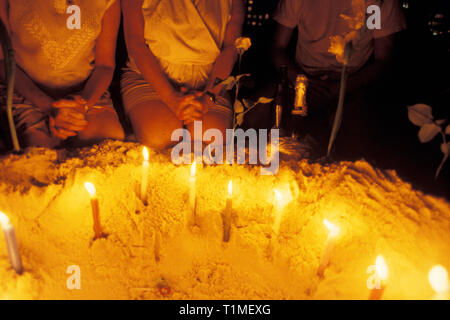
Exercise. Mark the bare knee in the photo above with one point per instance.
(37, 138)
(154, 124)
(101, 127)
(213, 121)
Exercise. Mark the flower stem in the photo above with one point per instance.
(10, 72)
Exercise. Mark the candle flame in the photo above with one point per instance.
(438, 278)
(334, 229)
(4, 220)
(278, 196)
(230, 188)
(90, 188)
(145, 153)
(193, 168)
(381, 267)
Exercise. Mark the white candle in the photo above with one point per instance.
(11, 243)
(329, 246)
(95, 209)
(381, 275)
(228, 213)
(438, 278)
(278, 210)
(144, 181)
(192, 190)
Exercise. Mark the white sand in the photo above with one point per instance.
(43, 193)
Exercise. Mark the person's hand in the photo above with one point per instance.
(186, 106)
(68, 118)
(206, 101)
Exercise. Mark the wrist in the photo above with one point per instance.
(45, 105)
(211, 96)
(170, 99)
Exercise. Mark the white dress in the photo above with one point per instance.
(186, 36)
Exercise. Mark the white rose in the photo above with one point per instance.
(243, 44)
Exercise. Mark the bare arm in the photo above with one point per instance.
(280, 57)
(105, 49)
(181, 104)
(228, 56)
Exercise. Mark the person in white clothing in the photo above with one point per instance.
(62, 73)
(178, 50)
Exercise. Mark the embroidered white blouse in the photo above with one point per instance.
(50, 53)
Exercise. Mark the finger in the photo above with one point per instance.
(52, 128)
(71, 114)
(68, 125)
(65, 104)
(67, 121)
(71, 120)
(191, 113)
(192, 101)
(80, 100)
(71, 127)
(55, 133)
(58, 133)
(66, 133)
(189, 120)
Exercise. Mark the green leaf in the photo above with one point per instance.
(428, 132)
(240, 119)
(238, 107)
(447, 130)
(264, 100)
(247, 103)
(239, 77)
(228, 83)
(420, 114)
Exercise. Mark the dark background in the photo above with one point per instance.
(421, 75)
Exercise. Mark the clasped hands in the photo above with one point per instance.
(190, 106)
(68, 117)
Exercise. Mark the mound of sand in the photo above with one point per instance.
(152, 253)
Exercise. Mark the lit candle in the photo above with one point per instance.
(95, 209)
(11, 243)
(228, 213)
(438, 278)
(144, 181)
(329, 246)
(278, 208)
(381, 275)
(192, 190)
